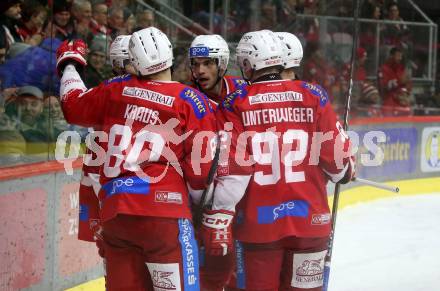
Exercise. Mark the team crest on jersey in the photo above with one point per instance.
(196, 100)
(118, 79)
(239, 82)
(229, 100)
(318, 91)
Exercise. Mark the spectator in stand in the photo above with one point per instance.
(268, 18)
(372, 9)
(52, 119)
(360, 74)
(34, 16)
(395, 34)
(29, 104)
(144, 19)
(368, 104)
(62, 26)
(368, 34)
(97, 69)
(317, 70)
(98, 23)
(398, 103)
(82, 16)
(311, 32)
(116, 21)
(10, 11)
(393, 76)
(181, 73)
(129, 22)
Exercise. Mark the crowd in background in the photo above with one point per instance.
(31, 31)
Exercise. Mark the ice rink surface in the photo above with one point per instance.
(391, 244)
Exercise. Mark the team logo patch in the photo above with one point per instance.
(432, 149)
(229, 100)
(168, 197)
(293, 208)
(148, 95)
(196, 100)
(165, 276)
(199, 51)
(318, 91)
(321, 219)
(308, 270)
(239, 82)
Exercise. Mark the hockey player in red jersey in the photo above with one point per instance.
(296, 145)
(209, 57)
(89, 227)
(156, 135)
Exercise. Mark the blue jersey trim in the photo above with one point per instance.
(190, 258)
(240, 265)
(118, 79)
(196, 100)
(126, 185)
(229, 100)
(292, 208)
(318, 91)
(84, 212)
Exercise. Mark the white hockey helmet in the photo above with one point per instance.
(119, 51)
(210, 46)
(292, 49)
(261, 48)
(150, 51)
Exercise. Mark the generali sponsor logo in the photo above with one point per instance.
(148, 95)
(275, 97)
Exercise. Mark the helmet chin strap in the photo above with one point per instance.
(244, 77)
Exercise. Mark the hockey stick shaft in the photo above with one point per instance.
(377, 185)
(197, 219)
(328, 257)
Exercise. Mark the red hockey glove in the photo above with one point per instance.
(216, 232)
(71, 52)
(351, 172)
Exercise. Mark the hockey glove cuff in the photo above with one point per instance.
(216, 232)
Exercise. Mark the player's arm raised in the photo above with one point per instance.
(80, 106)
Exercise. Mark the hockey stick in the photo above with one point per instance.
(328, 257)
(377, 185)
(198, 213)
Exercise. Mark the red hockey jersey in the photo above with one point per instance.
(229, 85)
(89, 219)
(160, 135)
(295, 145)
